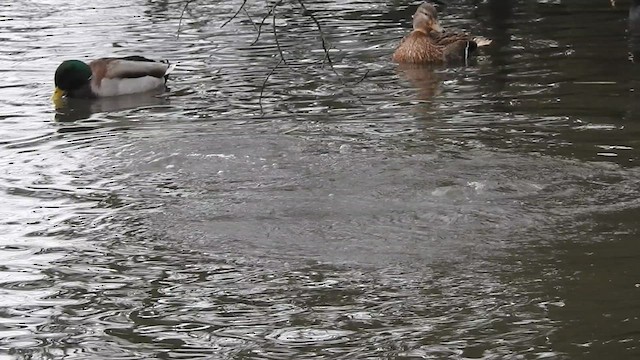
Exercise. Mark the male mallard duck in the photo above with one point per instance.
(428, 43)
(109, 77)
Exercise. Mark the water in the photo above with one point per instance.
(369, 211)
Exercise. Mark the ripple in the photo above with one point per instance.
(306, 337)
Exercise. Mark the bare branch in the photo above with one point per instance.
(275, 36)
(362, 78)
(236, 14)
(324, 58)
(181, 16)
(322, 38)
(264, 84)
(263, 19)
(250, 19)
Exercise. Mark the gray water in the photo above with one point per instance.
(487, 211)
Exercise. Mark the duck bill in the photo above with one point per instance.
(436, 27)
(57, 94)
(57, 98)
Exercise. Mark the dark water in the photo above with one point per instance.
(479, 212)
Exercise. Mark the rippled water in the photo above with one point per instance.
(369, 211)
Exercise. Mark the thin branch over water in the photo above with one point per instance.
(264, 84)
(322, 37)
(236, 14)
(326, 48)
(275, 37)
(263, 20)
(186, 4)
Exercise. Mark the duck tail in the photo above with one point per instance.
(482, 41)
(466, 53)
(170, 68)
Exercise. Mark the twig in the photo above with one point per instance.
(250, 19)
(324, 43)
(362, 78)
(181, 16)
(263, 19)
(324, 58)
(326, 49)
(234, 15)
(275, 37)
(264, 84)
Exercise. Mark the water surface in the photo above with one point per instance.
(296, 211)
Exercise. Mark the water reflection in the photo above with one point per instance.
(69, 110)
(422, 77)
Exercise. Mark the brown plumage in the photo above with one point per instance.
(428, 43)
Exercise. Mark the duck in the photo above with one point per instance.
(429, 43)
(109, 76)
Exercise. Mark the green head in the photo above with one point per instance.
(72, 74)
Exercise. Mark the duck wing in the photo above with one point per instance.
(459, 51)
(130, 75)
(127, 68)
(448, 38)
(459, 46)
(130, 67)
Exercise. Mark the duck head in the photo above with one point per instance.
(71, 75)
(426, 19)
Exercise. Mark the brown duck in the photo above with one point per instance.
(429, 44)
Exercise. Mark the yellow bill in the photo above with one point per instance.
(57, 96)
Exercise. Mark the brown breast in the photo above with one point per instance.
(418, 47)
